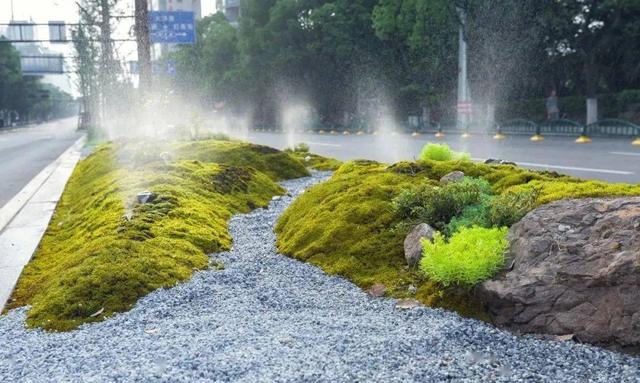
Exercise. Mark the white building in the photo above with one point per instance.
(194, 6)
(230, 8)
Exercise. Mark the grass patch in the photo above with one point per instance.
(103, 250)
(349, 225)
(441, 152)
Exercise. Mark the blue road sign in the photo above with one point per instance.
(172, 27)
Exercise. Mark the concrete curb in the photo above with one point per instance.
(24, 219)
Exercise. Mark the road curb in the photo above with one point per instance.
(24, 219)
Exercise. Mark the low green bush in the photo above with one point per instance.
(441, 152)
(509, 208)
(471, 256)
(437, 205)
(301, 148)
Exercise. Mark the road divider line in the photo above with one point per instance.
(576, 168)
(626, 154)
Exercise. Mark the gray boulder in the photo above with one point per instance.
(413, 243)
(455, 176)
(574, 269)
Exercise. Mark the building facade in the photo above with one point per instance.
(194, 6)
(230, 8)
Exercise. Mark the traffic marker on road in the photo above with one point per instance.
(583, 140)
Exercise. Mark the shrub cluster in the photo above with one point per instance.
(441, 152)
(471, 255)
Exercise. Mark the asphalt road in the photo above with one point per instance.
(25, 151)
(614, 160)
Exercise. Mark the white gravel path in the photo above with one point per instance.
(268, 318)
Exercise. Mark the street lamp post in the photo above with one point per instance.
(464, 96)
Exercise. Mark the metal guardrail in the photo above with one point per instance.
(520, 126)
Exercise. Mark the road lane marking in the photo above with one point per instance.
(591, 170)
(324, 144)
(626, 154)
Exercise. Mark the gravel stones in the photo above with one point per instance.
(268, 318)
(576, 271)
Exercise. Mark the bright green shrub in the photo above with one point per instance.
(509, 208)
(441, 152)
(471, 256)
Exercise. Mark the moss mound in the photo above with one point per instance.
(316, 162)
(347, 225)
(103, 250)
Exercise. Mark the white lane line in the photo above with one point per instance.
(591, 170)
(626, 154)
(324, 144)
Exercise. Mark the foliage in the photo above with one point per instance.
(472, 255)
(509, 208)
(103, 250)
(354, 224)
(436, 206)
(556, 190)
(301, 148)
(316, 162)
(441, 152)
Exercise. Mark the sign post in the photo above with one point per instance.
(172, 27)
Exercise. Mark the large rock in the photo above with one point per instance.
(575, 269)
(413, 243)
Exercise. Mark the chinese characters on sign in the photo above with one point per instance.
(172, 27)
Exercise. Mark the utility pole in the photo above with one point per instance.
(464, 94)
(144, 44)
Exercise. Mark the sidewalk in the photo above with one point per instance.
(24, 219)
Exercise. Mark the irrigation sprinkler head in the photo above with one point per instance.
(537, 138)
(334, 132)
(466, 135)
(415, 134)
(636, 142)
(360, 133)
(346, 133)
(499, 136)
(583, 140)
(321, 131)
(439, 135)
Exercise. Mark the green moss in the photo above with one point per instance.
(315, 161)
(550, 191)
(347, 225)
(103, 250)
(344, 227)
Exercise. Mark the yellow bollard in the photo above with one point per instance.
(320, 131)
(439, 135)
(583, 140)
(499, 136)
(360, 133)
(334, 132)
(537, 138)
(346, 133)
(636, 142)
